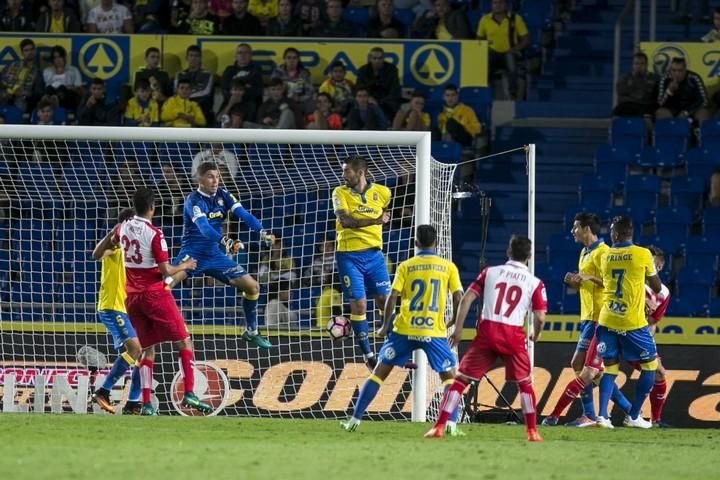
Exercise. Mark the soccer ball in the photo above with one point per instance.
(338, 327)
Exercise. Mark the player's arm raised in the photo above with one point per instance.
(106, 245)
(250, 220)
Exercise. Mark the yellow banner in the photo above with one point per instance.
(702, 58)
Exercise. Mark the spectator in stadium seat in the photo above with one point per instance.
(179, 12)
(21, 82)
(714, 34)
(142, 110)
(170, 199)
(636, 92)
(682, 94)
(284, 24)
(323, 118)
(63, 82)
(310, 14)
(180, 110)
(14, 19)
(226, 161)
(44, 113)
(241, 22)
(339, 88)
(443, 23)
(457, 122)
(109, 17)
(276, 265)
(149, 16)
(237, 108)
(246, 70)
(297, 79)
(263, 10)
(323, 265)
(157, 78)
(277, 310)
(383, 24)
(365, 113)
(507, 36)
(95, 109)
(199, 21)
(278, 111)
(58, 19)
(221, 9)
(201, 81)
(333, 25)
(412, 115)
(381, 79)
(714, 194)
(329, 303)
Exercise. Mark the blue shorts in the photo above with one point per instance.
(218, 266)
(363, 273)
(587, 331)
(118, 325)
(632, 345)
(398, 349)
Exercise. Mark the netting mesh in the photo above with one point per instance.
(59, 198)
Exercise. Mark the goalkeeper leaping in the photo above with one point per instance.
(203, 215)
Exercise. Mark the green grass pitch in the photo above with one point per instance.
(103, 447)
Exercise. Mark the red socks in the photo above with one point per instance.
(146, 369)
(449, 403)
(527, 401)
(571, 392)
(657, 399)
(187, 364)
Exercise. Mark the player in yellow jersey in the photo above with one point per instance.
(361, 208)
(112, 313)
(585, 361)
(623, 330)
(422, 284)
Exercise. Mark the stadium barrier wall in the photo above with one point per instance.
(114, 58)
(322, 385)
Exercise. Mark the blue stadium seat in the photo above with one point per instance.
(562, 252)
(711, 222)
(714, 307)
(480, 99)
(641, 192)
(668, 219)
(12, 114)
(406, 16)
(710, 135)
(614, 158)
(671, 134)
(701, 252)
(552, 274)
(446, 152)
(657, 157)
(701, 162)
(596, 190)
(571, 305)
(679, 307)
(687, 192)
(628, 134)
(639, 215)
(357, 16)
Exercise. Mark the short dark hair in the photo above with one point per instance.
(426, 236)
(326, 95)
(642, 55)
(143, 200)
(182, 79)
(360, 89)
(125, 214)
(205, 167)
(276, 82)
(25, 42)
(338, 64)
(193, 48)
(679, 60)
(58, 50)
(43, 103)
(417, 94)
(452, 87)
(151, 50)
(656, 251)
(623, 225)
(587, 219)
(238, 83)
(97, 81)
(520, 248)
(356, 162)
(142, 84)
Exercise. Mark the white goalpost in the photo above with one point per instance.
(61, 189)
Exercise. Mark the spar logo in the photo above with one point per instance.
(211, 387)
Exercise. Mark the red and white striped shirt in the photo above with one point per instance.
(145, 247)
(509, 292)
(659, 301)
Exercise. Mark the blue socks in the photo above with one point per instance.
(586, 395)
(454, 415)
(644, 385)
(367, 394)
(360, 329)
(607, 385)
(620, 400)
(118, 370)
(250, 308)
(134, 394)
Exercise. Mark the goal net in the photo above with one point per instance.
(61, 191)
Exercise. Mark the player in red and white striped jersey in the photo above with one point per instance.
(509, 292)
(152, 309)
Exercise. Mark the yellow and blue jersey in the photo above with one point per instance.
(591, 295)
(361, 206)
(423, 282)
(112, 282)
(624, 269)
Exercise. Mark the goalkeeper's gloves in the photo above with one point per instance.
(231, 246)
(267, 238)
